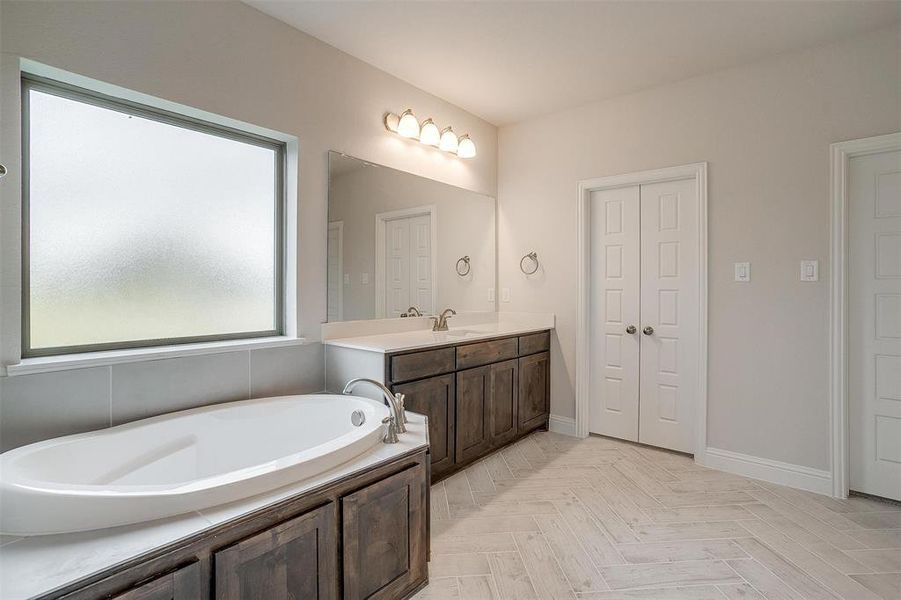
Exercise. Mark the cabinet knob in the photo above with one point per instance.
(648, 330)
(631, 329)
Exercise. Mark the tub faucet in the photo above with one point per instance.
(395, 404)
(439, 323)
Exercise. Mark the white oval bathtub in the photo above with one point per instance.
(179, 462)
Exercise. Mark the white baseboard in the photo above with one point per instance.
(564, 425)
(796, 476)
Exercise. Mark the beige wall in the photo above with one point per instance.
(765, 130)
(228, 59)
(465, 227)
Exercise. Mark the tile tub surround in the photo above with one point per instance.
(32, 566)
(395, 335)
(558, 517)
(41, 406)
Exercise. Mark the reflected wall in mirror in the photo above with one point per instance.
(395, 241)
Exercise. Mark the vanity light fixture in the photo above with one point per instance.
(466, 149)
(448, 141)
(408, 126)
(428, 133)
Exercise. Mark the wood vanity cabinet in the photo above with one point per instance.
(478, 395)
(364, 536)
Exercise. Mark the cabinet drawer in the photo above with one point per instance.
(422, 364)
(484, 353)
(536, 342)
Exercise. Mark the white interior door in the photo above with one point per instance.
(670, 314)
(408, 262)
(615, 278)
(874, 320)
(335, 259)
(421, 273)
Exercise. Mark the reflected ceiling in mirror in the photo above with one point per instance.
(397, 242)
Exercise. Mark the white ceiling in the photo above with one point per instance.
(509, 61)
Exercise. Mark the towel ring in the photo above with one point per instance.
(534, 258)
(460, 270)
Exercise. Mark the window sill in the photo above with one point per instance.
(64, 362)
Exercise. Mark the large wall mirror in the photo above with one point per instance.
(398, 242)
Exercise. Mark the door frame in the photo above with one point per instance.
(698, 172)
(381, 222)
(841, 154)
(339, 227)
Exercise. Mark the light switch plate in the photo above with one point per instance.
(364, 279)
(347, 279)
(743, 271)
(810, 270)
(505, 294)
(490, 294)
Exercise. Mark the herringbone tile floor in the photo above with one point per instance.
(556, 517)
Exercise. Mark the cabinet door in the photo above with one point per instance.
(534, 390)
(295, 559)
(183, 584)
(473, 392)
(385, 536)
(435, 398)
(502, 402)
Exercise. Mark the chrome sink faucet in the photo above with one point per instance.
(395, 404)
(439, 323)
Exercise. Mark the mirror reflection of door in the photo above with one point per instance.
(336, 271)
(406, 277)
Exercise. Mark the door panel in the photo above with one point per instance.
(874, 314)
(397, 267)
(669, 304)
(385, 536)
(504, 386)
(473, 398)
(435, 398)
(614, 300)
(183, 584)
(296, 559)
(534, 391)
(421, 280)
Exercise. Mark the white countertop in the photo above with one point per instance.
(32, 566)
(514, 324)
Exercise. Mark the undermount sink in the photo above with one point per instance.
(462, 333)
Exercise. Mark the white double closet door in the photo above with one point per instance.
(645, 312)
(408, 256)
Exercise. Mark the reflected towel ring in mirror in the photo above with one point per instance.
(533, 256)
(463, 270)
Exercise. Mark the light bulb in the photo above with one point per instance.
(429, 134)
(448, 141)
(466, 148)
(408, 126)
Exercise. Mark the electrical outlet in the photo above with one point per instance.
(505, 294)
(743, 271)
(491, 295)
(364, 279)
(347, 279)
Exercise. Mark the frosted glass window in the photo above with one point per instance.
(145, 230)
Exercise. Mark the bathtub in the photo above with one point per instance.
(180, 462)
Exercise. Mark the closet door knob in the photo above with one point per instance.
(648, 330)
(631, 329)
